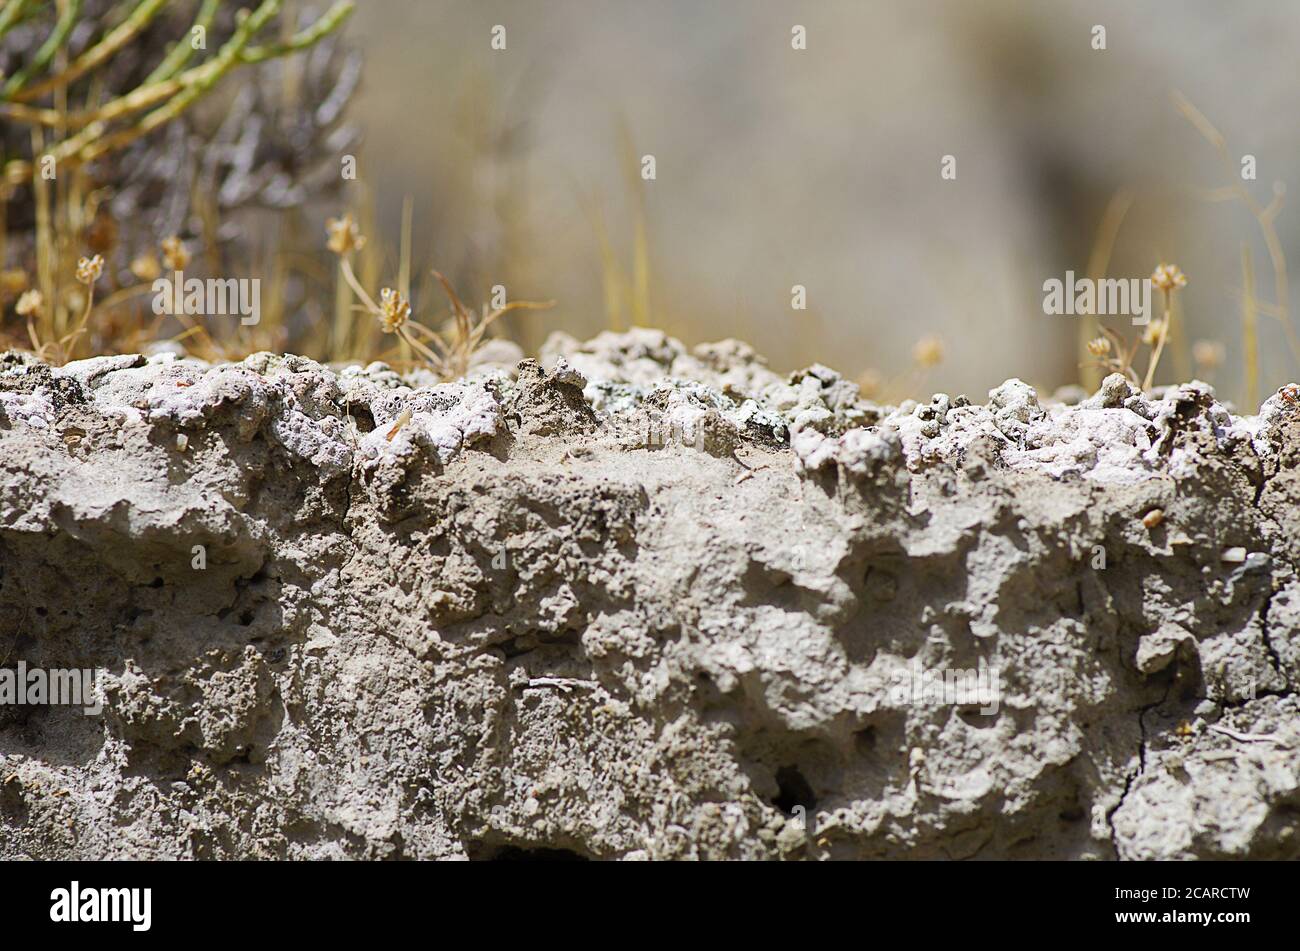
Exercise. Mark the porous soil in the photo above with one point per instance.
(634, 600)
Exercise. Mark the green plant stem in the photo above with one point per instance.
(180, 92)
(184, 50)
(144, 12)
(330, 21)
(54, 42)
(205, 78)
(11, 14)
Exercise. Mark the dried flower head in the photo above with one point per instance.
(345, 236)
(31, 304)
(1167, 277)
(1208, 354)
(928, 351)
(175, 255)
(89, 270)
(1151, 335)
(146, 268)
(395, 310)
(1099, 347)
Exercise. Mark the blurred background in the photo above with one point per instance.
(821, 167)
(774, 167)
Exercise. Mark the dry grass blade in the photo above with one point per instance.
(1264, 215)
(469, 335)
(1098, 264)
(462, 316)
(476, 337)
(450, 358)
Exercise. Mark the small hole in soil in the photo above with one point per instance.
(972, 717)
(793, 791)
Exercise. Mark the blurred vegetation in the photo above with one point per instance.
(130, 123)
(521, 169)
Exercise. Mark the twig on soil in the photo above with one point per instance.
(1250, 737)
